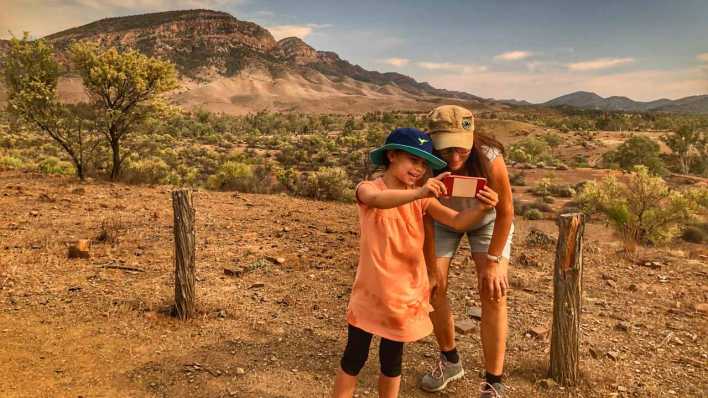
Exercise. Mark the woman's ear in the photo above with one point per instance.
(391, 155)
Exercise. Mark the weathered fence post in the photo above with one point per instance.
(567, 292)
(184, 253)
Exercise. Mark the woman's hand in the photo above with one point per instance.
(433, 187)
(493, 278)
(488, 198)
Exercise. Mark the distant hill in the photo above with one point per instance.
(588, 100)
(237, 66)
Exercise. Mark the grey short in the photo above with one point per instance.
(447, 240)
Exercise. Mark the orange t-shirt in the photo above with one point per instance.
(391, 294)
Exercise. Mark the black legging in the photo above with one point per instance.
(357, 351)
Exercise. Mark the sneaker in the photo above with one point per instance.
(443, 373)
(495, 390)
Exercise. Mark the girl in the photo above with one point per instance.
(472, 154)
(390, 294)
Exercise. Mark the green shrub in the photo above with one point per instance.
(148, 171)
(546, 188)
(52, 165)
(644, 210)
(518, 179)
(233, 176)
(10, 163)
(529, 150)
(533, 214)
(327, 183)
(638, 150)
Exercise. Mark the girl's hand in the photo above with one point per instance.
(433, 187)
(488, 198)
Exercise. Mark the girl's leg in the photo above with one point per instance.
(443, 322)
(391, 358)
(344, 385)
(494, 322)
(353, 359)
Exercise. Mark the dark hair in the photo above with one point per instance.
(474, 164)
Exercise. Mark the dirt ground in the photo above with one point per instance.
(79, 328)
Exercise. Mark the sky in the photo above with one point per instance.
(531, 50)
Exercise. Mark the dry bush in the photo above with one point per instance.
(112, 229)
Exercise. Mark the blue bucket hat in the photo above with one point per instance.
(412, 141)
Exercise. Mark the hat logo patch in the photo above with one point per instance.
(422, 141)
(466, 124)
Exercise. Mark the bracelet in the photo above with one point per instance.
(495, 259)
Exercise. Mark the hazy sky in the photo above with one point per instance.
(534, 50)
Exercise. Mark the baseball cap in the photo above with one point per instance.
(451, 126)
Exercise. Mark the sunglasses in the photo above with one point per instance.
(450, 151)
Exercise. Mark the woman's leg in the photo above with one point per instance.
(353, 359)
(494, 322)
(391, 358)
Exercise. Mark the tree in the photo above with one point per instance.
(682, 141)
(31, 75)
(643, 210)
(124, 88)
(637, 150)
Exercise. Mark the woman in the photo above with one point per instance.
(479, 155)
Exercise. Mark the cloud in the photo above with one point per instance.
(397, 62)
(513, 55)
(642, 85)
(599, 63)
(702, 57)
(319, 26)
(446, 66)
(283, 31)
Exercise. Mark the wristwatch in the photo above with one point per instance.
(495, 259)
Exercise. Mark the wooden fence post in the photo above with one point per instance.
(184, 253)
(567, 293)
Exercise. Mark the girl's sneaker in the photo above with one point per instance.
(495, 390)
(443, 373)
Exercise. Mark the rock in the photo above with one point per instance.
(240, 371)
(611, 283)
(562, 167)
(623, 326)
(233, 272)
(476, 313)
(465, 326)
(633, 287)
(257, 285)
(613, 355)
(80, 249)
(539, 332)
(34, 213)
(221, 314)
(78, 191)
(596, 353)
(276, 260)
(547, 383)
(702, 307)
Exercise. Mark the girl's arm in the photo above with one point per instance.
(461, 221)
(499, 181)
(391, 198)
(429, 254)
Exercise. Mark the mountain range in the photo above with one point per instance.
(234, 66)
(588, 100)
